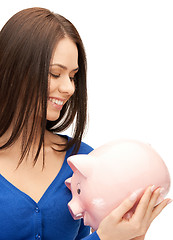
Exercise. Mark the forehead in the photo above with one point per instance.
(65, 53)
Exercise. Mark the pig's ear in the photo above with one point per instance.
(68, 183)
(82, 163)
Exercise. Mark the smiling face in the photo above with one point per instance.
(63, 67)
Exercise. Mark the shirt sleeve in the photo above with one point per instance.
(84, 231)
(93, 236)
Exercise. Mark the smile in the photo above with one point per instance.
(56, 101)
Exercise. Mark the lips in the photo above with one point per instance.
(56, 102)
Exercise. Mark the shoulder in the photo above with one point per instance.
(85, 148)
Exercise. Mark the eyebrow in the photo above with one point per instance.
(64, 67)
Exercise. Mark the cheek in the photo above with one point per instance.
(51, 85)
(95, 211)
(96, 206)
(98, 203)
(74, 88)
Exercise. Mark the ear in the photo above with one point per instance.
(68, 183)
(81, 162)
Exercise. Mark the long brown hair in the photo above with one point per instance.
(27, 42)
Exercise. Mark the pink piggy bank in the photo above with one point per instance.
(109, 174)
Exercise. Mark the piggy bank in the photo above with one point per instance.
(111, 173)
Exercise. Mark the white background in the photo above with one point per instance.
(129, 46)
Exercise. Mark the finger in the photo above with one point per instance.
(125, 206)
(154, 198)
(158, 209)
(143, 204)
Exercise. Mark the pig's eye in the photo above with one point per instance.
(78, 189)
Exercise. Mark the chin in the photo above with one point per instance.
(52, 117)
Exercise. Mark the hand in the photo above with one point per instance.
(114, 226)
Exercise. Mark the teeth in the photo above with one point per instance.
(58, 102)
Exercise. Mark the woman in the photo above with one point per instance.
(43, 85)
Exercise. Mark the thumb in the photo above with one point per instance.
(126, 205)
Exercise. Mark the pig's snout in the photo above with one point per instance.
(75, 210)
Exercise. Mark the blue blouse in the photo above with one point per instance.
(21, 218)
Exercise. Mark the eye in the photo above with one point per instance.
(78, 191)
(54, 75)
(73, 78)
(78, 188)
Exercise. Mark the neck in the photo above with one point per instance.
(14, 151)
(15, 147)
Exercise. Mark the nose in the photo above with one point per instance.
(66, 86)
(75, 210)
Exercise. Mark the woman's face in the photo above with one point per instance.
(63, 67)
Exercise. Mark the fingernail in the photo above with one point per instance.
(133, 197)
(170, 200)
(152, 188)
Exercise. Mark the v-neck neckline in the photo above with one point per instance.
(12, 187)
